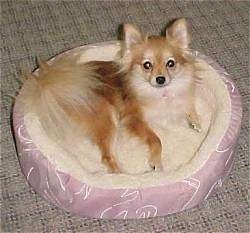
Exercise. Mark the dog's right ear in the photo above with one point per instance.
(132, 35)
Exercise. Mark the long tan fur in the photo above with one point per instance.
(71, 99)
(59, 92)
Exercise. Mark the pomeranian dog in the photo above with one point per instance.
(69, 97)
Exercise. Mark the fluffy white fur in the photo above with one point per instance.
(180, 143)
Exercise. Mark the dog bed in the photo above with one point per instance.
(194, 163)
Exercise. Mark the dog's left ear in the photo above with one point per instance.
(178, 32)
(132, 35)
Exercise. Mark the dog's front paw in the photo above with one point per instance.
(194, 122)
(156, 164)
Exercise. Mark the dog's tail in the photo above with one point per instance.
(58, 94)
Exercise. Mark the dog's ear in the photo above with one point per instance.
(178, 31)
(132, 35)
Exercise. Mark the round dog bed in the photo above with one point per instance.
(194, 163)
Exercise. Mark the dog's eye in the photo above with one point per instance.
(170, 63)
(147, 65)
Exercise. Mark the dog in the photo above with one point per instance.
(69, 97)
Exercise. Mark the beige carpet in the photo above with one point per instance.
(29, 28)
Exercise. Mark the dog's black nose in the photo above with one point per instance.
(160, 80)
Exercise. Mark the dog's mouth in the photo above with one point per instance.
(158, 85)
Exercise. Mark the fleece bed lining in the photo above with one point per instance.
(184, 150)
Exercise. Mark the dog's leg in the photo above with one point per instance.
(191, 115)
(108, 158)
(101, 129)
(140, 128)
(105, 130)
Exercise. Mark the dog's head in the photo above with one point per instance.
(158, 61)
